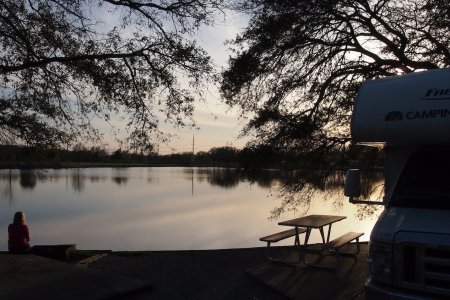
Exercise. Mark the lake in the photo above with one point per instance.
(159, 208)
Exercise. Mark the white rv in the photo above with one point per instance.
(409, 249)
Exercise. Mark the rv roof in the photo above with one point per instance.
(411, 109)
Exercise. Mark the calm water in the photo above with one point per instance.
(167, 208)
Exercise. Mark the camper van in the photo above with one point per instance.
(409, 249)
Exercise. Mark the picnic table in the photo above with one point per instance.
(305, 225)
(313, 222)
(309, 223)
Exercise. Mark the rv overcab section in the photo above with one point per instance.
(409, 249)
(402, 114)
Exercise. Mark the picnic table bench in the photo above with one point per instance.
(276, 237)
(334, 245)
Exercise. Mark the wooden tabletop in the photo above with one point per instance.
(313, 221)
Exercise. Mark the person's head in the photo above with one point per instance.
(19, 217)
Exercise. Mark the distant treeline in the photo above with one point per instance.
(261, 157)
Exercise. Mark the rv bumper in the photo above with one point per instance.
(376, 291)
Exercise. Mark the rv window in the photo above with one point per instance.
(425, 181)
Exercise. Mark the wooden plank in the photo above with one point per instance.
(86, 262)
(276, 237)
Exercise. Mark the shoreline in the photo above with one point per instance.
(241, 273)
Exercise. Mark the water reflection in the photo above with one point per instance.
(221, 177)
(298, 192)
(140, 208)
(295, 189)
(77, 180)
(229, 177)
(225, 178)
(28, 179)
(120, 176)
(8, 192)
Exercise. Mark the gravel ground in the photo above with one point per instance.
(203, 274)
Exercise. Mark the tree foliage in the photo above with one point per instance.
(64, 63)
(297, 66)
(296, 69)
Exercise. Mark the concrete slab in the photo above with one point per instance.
(300, 282)
(34, 277)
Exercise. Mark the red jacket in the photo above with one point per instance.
(18, 237)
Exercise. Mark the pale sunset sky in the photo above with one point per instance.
(218, 124)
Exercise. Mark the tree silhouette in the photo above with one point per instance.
(297, 66)
(296, 69)
(64, 63)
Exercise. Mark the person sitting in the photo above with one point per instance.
(18, 235)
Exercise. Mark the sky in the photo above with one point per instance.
(218, 125)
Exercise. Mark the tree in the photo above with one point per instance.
(64, 63)
(296, 68)
(223, 155)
